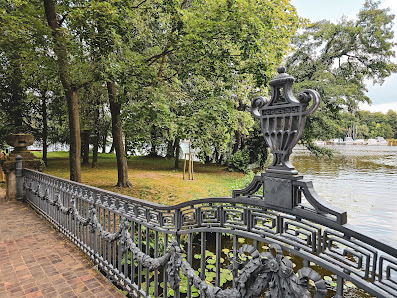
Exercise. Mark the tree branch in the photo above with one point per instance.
(30, 127)
(63, 19)
(155, 57)
(77, 87)
(137, 6)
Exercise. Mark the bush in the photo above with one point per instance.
(239, 162)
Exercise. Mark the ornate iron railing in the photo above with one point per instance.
(276, 236)
(109, 227)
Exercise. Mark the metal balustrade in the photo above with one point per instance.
(276, 237)
(113, 230)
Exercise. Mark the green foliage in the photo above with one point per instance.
(257, 148)
(338, 59)
(239, 161)
(376, 124)
(238, 45)
(24, 52)
(320, 151)
(367, 125)
(183, 69)
(245, 181)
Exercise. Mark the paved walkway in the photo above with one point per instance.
(35, 261)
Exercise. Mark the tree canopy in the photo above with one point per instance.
(152, 73)
(338, 60)
(170, 69)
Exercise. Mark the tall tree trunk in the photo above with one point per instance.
(177, 150)
(69, 89)
(104, 141)
(105, 131)
(125, 144)
(96, 137)
(170, 148)
(216, 155)
(45, 126)
(153, 149)
(86, 146)
(95, 150)
(237, 141)
(115, 108)
(237, 134)
(112, 147)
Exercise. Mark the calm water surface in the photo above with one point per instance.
(362, 180)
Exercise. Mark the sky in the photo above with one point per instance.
(383, 97)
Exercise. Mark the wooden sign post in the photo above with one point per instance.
(190, 166)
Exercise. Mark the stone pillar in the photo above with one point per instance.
(11, 185)
(19, 142)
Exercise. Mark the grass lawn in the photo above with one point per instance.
(153, 179)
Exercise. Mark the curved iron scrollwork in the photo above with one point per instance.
(265, 271)
(349, 253)
(259, 273)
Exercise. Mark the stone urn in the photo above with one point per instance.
(19, 142)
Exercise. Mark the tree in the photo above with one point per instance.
(392, 120)
(337, 59)
(213, 51)
(29, 85)
(173, 60)
(120, 37)
(115, 108)
(70, 88)
(377, 124)
(18, 29)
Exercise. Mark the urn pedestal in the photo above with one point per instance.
(19, 142)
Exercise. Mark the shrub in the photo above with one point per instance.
(239, 162)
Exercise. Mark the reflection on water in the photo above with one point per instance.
(361, 180)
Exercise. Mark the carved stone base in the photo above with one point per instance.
(11, 184)
(19, 142)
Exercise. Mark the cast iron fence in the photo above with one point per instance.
(113, 230)
(276, 237)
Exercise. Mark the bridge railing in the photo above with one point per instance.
(276, 237)
(236, 242)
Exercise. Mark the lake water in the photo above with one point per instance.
(362, 180)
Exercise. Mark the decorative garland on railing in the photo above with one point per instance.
(258, 273)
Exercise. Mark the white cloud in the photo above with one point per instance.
(389, 3)
(384, 107)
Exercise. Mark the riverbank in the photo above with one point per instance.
(392, 142)
(153, 179)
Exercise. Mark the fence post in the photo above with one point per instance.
(19, 178)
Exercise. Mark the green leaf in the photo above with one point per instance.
(208, 254)
(350, 284)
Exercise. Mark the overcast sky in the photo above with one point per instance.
(383, 97)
